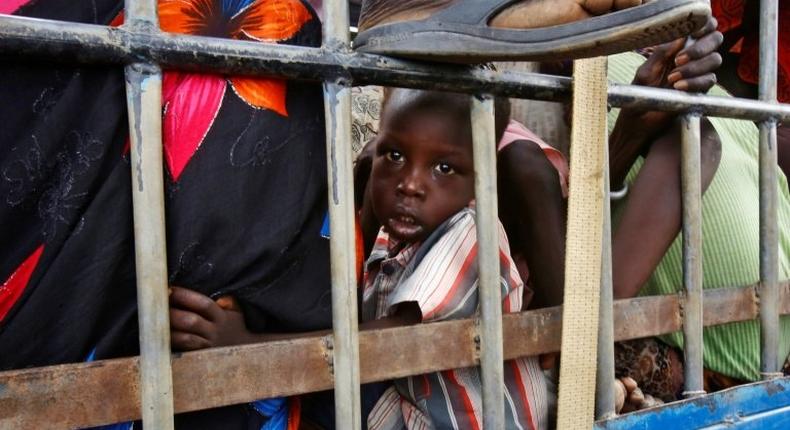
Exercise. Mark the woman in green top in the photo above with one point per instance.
(730, 230)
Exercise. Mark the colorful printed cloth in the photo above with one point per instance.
(441, 276)
(734, 18)
(245, 190)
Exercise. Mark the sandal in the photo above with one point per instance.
(460, 33)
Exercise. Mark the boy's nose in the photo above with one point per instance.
(411, 185)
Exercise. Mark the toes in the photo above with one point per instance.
(619, 395)
(625, 4)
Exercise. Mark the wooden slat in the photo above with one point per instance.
(103, 392)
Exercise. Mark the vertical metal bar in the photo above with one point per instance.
(692, 254)
(769, 241)
(144, 102)
(490, 331)
(604, 393)
(337, 106)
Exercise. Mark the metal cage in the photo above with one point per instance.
(156, 384)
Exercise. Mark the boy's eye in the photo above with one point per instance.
(394, 156)
(444, 169)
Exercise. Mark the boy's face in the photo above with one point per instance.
(422, 173)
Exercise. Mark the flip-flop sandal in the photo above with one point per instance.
(460, 33)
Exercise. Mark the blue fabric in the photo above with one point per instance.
(276, 410)
(325, 227)
(232, 7)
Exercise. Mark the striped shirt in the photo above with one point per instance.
(731, 238)
(440, 275)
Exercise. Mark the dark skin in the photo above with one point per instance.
(422, 172)
(652, 216)
(532, 210)
(532, 207)
(198, 322)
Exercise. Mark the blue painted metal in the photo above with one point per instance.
(762, 405)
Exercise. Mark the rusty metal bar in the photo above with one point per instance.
(769, 228)
(22, 37)
(299, 365)
(604, 392)
(345, 341)
(65, 396)
(490, 292)
(692, 254)
(144, 101)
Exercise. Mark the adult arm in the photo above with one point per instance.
(198, 322)
(670, 65)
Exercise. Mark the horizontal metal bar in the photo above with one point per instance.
(68, 42)
(67, 395)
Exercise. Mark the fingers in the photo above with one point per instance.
(181, 341)
(700, 84)
(697, 64)
(190, 322)
(195, 302)
(698, 75)
(709, 27)
(700, 48)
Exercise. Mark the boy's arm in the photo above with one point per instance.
(533, 211)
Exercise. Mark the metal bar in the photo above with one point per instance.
(61, 41)
(144, 101)
(692, 254)
(604, 392)
(769, 238)
(487, 221)
(337, 107)
(65, 396)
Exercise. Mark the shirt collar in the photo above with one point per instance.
(384, 248)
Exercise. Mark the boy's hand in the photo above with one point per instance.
(197, 321)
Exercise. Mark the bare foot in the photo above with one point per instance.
(629, 397)
(544, 13)
(523, 15)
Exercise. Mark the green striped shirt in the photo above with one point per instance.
(730, 234)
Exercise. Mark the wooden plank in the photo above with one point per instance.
(68, 396)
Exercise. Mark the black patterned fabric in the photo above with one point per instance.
(243, 218)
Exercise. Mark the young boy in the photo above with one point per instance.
(423, 263)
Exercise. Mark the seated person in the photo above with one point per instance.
(730, 226)
(422, 269)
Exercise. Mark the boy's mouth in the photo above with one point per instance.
(403, 227)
